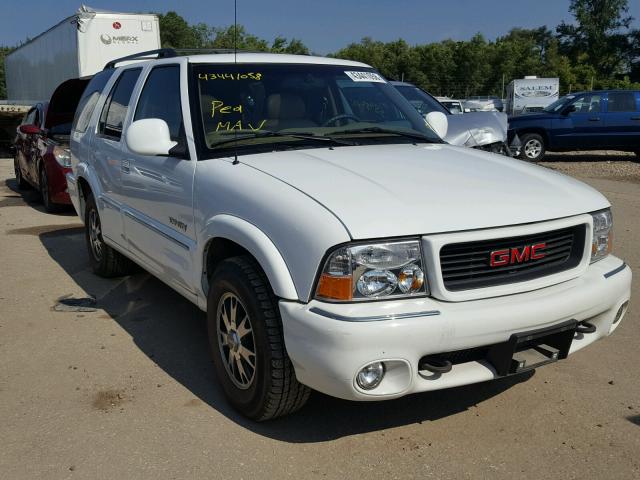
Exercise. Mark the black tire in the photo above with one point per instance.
(533, 147)
(105, 261)
(637, 159)
(22, 183)
(273, 390)
(43, 184)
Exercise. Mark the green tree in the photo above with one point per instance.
(293, 46)
(236, 36)
(175, 32)
(601, 34)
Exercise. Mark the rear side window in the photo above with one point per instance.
(115, 108)
(622, 102)
(160, 98)
(88, 101)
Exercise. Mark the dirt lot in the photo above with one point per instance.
(127, 390)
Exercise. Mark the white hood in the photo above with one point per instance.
(401, 190)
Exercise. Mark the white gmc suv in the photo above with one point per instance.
(334, 241)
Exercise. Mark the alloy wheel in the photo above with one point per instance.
(95, 235)
(236, 341)
(533, 148)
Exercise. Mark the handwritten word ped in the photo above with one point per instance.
(219, 109)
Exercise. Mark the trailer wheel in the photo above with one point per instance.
(533, 147)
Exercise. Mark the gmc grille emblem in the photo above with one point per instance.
(511, 256)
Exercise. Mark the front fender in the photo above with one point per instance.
(252, 239)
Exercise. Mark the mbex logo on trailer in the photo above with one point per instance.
(118, 40)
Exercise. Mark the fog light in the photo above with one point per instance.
(370, 376)
(620, 313)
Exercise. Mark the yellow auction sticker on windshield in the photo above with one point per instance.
(365, 77)
(231, 76)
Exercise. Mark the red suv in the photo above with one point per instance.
(42, 157)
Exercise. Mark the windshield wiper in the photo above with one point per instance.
(415, 136)
(271, 133)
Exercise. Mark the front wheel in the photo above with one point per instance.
(247, 343)
(533, 147)
(49, 206)
(105, 261)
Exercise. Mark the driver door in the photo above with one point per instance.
(157, 191)
(583, 127)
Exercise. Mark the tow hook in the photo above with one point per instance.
(435, 365)
(585, 327)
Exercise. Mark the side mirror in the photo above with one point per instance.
(29, 129)
(438, 122)
(569, 109)
(149, 137)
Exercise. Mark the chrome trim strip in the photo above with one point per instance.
(615, 270)
(109, 203)
(377, 318)
(155, 229)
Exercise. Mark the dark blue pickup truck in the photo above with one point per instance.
(598, 120)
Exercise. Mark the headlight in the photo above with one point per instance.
(373, 272)
(602, 241)
(62, 156)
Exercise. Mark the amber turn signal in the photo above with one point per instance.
(335, 288)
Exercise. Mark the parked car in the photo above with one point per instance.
(482, 130)
(454, 106)
(335, 242)
(484, 104)
(599, 120)
(41, 152)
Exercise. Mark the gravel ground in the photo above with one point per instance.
(122, 387)
(600, 164)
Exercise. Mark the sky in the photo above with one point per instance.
(323, 25)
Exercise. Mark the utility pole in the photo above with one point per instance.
(591, 89)
(502, 96)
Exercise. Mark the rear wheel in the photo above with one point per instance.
(105, 261)
(247, 343)
(22, 183)
(533, 147)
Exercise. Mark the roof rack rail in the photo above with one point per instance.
(148, 55)
(172, 52)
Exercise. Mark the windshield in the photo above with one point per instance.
(244, 107)
(559, 104)
(421, 101)
(454, 107)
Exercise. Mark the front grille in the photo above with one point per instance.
(466, 266)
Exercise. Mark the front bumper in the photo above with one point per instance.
(56, 177)
(329, 343)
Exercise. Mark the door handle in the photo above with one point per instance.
(594, 119)
(635, 118)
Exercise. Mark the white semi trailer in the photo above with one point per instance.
(77, 47)
(531, 94)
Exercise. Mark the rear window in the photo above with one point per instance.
(622, 102)
(88, 101)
